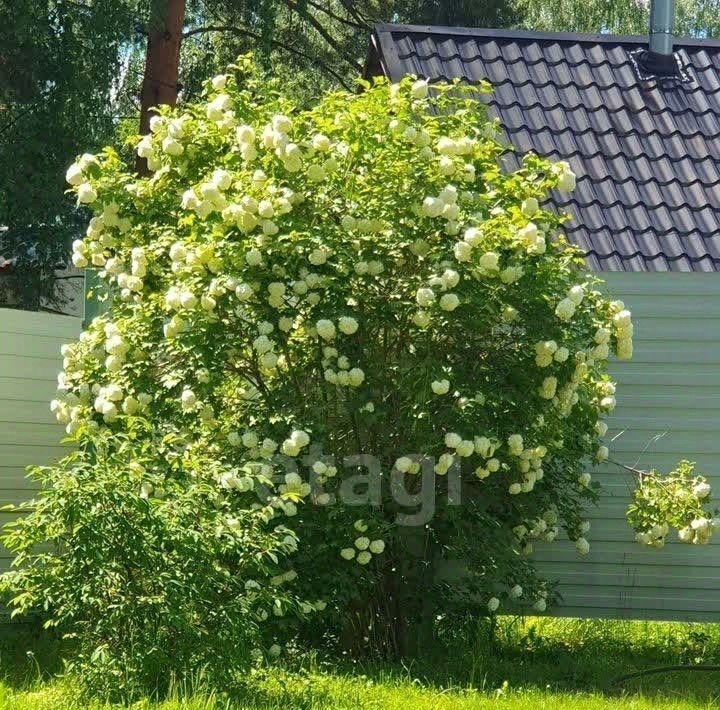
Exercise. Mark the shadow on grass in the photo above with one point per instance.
(544, 656)
(28, 653)
(565, 655)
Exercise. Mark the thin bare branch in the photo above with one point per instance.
(329, 39)
(350, 23)
(241, 31)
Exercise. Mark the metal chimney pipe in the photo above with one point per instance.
(662, 22)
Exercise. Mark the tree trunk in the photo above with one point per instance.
(160, 82)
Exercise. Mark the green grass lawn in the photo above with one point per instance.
(535, 664)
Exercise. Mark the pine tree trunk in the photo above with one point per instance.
(160, 82)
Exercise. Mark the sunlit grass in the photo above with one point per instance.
(535, 664)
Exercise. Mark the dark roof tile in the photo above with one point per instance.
(645, 151)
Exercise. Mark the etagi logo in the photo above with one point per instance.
(361, 482)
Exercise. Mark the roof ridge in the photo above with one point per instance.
(577, 37)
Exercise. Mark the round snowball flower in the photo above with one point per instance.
(301, 438)
(425, 296)
(403, 464)
(178, 252)
(347, 325)
(86, 194)
(465, 448)
(362, 543)
(450, 278)
(529, 206)
(347, 553)
(421, 319)
(516, 444)
(172, 146)
(245, 134)
(472, 236)
(419, 89)
(582, 546)
(433, 206)
(188, 399)
(489, 261)
(188, 299)
(576, 294)
(364, 557)
(377, 547)
(219, 82)
(686, 534)
(565, 310)
(440, 386)
(493, 604)
(462, 251)
(701, 490)
(356, 377)
(567, 179)
(548, 387)
(325, 329)
(540, 605)
(561, 354)
(452, 440)
(321, 142)
(74, 174)
(449, 302)
(516, 592)
(253, 257)
(290, 448)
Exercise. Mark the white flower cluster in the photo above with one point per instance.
(566, 177)
(547, 352)
(622, 321)
(256, 447)
(532, 239)
(295, 486)
(699, 531)
(101, 238)
(514, 593)
(364, 548)
(543, 528)
(274, 288)
(444, 205)
(566, 308)
(74, 404)
(77, 176)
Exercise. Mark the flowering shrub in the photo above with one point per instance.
(675, 500)
(342, 344)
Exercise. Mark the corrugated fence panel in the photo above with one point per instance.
(29, 364)
(671, 390)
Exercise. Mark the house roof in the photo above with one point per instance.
(646, 151)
